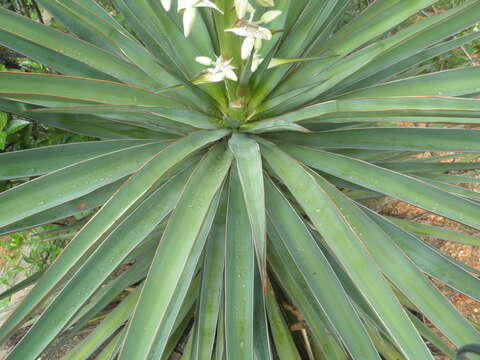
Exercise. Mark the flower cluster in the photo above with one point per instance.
(245, 26)
(253, 32)
(189, 9)
(219, 70)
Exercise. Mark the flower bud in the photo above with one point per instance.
(166, 4)
(269, 16)
(266, 3)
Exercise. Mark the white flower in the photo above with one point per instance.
(256, 61)
(253, 32)
(166, 4)
(219, 70)
(242, 7)
(189, 8)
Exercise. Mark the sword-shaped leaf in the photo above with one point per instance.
(115, 211)
(318, 274)
(413, 284)
(34, 162)
(344, 241)
(175, 261)
(239, 276)
(210, 299)
(73, 181)
(250, 170)
(58, 90)
(99, 266)
(391, 183)
(378, 138)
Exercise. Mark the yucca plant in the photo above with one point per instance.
(239, 142)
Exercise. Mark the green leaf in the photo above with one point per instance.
(126, 73)
(21, 285)
(210, 299)
(84, 124)
(111, 289)
(331, 25)
(249, 167)
(311, 19)
(34, 162)
(115, 211)
(3, 140)
(158, 29)
(65, 53)
(111, 348)
(239, 276)
(398, 68)
(145, 33)
(101, 264)
(150, 327)
(58, 90)
(3, 120)
(84, 203)
(318, 274)
(184, 318)
(73, 17)
(279, 62)
(452, 178)
(419, 167)
(414, 39)
(383, 344)
(453, 189)
(437, 232)
(114, 320)
(262, 347)
(456, 82)
(92, 26)
(377, 138)
(290, 278)
(314, 86)
(431, 336)
(16, 125)
(391, 183)
(405, 108)
(73, 181)
(164, 119)
(374, 21)
(267, 126)
(414, 285)
(324, 78)
(344, 241)
(282, 337)
(220, 340)
(430, 260)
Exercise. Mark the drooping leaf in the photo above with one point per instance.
(344, 241)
